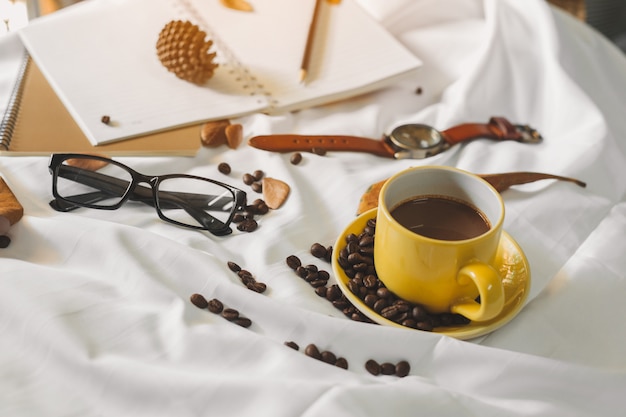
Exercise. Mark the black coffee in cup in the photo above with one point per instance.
(441, 217)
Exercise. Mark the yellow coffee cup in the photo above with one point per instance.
(431, 247)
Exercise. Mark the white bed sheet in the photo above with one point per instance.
(95, 316)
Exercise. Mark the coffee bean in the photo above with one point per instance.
(321, 291)
(387, 368)
(257, 287)
(106, 119)
(372, 367)
(5, 241)
(402, 369)
(296, 158)
(199, 301)
(258, 175)
(215, 306)
(319, 151)
(233, 266)
(230, 314)
(333, 293)
(248, 179)
(328, 357)
(292, 345)
(342, 363)
(247, 225)
(224, 168)
(293, 262)
(318, 250)
(243, 322)
(312, 351)
(257, 187)
(238, 217)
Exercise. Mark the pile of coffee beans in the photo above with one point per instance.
(254, 180)
(312, 351)
(247, 278)
(318, 279)
(357, 261)
(400, 369)
(246, 221)
(215, 306)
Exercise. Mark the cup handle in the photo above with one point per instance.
(490, 288)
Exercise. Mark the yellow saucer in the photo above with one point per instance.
(510, 262)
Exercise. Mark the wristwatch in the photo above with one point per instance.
(416, 141)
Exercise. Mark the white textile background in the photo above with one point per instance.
(95, 316)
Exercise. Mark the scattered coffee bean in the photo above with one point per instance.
(5, 241)
(248, 179)
(293, 262)
(387, 368)
(342, 363)
(418, 91)
(230, 314)
(312, 351)
(402, 369)
(224, 168)
(292, 345)
(319, 151)
(258, 175)
(296, 158)
(199, 301)
(372, 367)
(247, 225)
(257, 187)
(328, 357)
(215, 306)
(318, 250)
(106, 119)
(243, 322)
(233, 266)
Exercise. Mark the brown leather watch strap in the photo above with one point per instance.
(294, 143)
(498, 128)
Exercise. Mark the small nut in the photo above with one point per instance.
(213, 134)
(234, 135)
(275, 192)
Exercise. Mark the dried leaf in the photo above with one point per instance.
(275, 192)
(500, 182)
(241, 5)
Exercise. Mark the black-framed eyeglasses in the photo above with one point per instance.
(96, 182)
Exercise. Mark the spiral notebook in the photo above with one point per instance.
(100, 58)
(37, 123)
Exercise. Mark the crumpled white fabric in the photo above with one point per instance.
(94, 306)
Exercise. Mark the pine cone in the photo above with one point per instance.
(181, 48)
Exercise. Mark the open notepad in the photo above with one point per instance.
(100, 58)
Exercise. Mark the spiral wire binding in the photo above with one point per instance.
(248, 80)
(13, 108)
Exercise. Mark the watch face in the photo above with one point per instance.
(416, 137)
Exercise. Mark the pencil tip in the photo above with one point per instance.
(303, 76)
